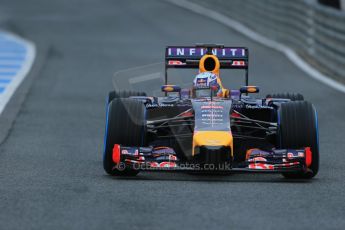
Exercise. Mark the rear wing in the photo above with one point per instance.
(188, 57)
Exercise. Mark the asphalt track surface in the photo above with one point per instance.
(51, 174)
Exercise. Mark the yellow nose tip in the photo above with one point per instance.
(212, 138)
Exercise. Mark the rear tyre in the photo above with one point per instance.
(125, 125)
(298, 128)
(291, 96)
(123, 94)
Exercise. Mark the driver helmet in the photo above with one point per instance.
(208, 80)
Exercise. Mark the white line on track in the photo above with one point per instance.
(289, 53)
(24, 69)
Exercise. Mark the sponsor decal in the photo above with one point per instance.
(201, 83)
(294, 154)
(212, 115)
(165, 164)
(238, 63)
(172, 158)
(258, 107)
(238, 106)
(211, 119)
(129, 151)
(201, 80)
(212, 107)
(212, 111)
(175, 62)
(261, 166)
(154, 164)
(290, 155)
(257, 159)
(198, 52)
(158, 105)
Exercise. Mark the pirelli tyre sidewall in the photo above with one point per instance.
(298, 128)
(125, 125)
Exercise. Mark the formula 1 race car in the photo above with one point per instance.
(208, 128)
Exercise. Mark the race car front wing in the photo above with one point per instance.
(257, 161)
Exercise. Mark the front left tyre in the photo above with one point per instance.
(298, 128)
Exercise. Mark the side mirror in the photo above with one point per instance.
(249, 89)
(171, 88)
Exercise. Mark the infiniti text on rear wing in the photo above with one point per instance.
(189, 57)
